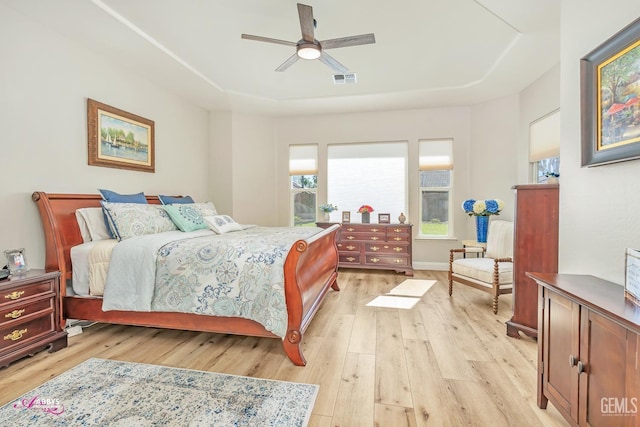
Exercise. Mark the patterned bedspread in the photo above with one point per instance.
(236, 274)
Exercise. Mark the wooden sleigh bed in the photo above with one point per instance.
(310, 269)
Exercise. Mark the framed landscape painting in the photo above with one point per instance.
(118, 139)
(610, 99)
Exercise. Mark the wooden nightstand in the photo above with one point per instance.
(30, 317)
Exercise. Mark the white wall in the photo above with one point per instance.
(598, 206)
(44, 83)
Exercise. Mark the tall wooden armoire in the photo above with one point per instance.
(535, 249)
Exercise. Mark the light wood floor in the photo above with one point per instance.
(446, 362)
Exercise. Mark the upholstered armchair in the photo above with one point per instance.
(493, 272)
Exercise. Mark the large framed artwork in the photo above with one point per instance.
(118, 139)
(610, 99)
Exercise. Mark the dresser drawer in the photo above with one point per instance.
(349, 258)
(15, 294)
(363, 228)
(386, 248)
(396, 229)
(387, 260)
(24, 332)
(348, 246)
(398, 238)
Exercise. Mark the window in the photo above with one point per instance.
(544, 146)
(436, 164)
(373, 174)
(303, 173)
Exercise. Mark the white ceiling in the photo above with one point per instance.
(427, 52)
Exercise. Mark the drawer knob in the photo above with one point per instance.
(397, 249)
(375, 230)
(397, 230)
(375, 238)
(375, 260)
(14, 314)
(375, 248)
(398, 261)
(580, 367)
(572, 360)
(351, 259)
(14, 295)
(397, 238)
(351, 247)
(350, 237)
(350, 229)
(15, 335)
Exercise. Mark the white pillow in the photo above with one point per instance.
(222, 224)
(137, 219)
(91, 223)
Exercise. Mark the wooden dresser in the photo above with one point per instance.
(375, 246)
(588, 344)
(30, 315)
(535, 248)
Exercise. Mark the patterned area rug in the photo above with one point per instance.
(112, 393)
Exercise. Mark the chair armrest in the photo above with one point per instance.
(497, 260)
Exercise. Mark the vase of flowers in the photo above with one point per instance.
(552, 177)
(365, 210)
(327, 209)
(482, 210)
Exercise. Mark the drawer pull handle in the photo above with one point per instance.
(374, 248)
(398, 261)
(397, 249)
(14, 314)
(14, 295)
(375, 230)
(351, 259)
(375, 260)
(580, 367)
(15, 335)
(397, 238)
(350, 237)
(374, 238)
(350, 229)
(572, 360)
(397, 230)
(351, 247)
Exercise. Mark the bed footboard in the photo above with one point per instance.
(311, 268)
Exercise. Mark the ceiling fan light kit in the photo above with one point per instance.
(310, 48)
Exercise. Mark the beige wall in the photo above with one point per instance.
(44, 83)
(598, 206)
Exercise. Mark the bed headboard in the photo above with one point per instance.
(61, 231)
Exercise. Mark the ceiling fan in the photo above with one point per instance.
(310, 48)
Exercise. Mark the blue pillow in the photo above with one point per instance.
(168, 200)
(112, 196)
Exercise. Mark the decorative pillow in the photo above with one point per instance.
(222, 224)
(112, 196)
(168, 200)
(206, 209)
(185, 216)
(137, 219)
(92, 225)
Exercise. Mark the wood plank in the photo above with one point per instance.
(354, 403)
(392, 380)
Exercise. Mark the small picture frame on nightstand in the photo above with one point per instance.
(384, 218)
(346, 216)
(16, 261)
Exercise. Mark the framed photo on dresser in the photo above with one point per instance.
(346, 216)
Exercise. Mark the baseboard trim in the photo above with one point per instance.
(437, 266)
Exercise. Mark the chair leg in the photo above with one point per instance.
(495, 304)
(450, 273)
(450, 285)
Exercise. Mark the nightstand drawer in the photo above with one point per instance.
(23, 333)
(10, 295)
(21, 311)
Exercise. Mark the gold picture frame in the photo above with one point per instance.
(119, 139)
(610, 100)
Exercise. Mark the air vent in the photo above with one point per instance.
(343, 79)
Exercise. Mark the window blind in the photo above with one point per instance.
(436, 154)
(544, 137)
(303, 159)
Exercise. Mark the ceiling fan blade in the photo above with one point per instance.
(305, 13)
(268, 40)
(332, 63)
(288, 63)
(349, 41)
